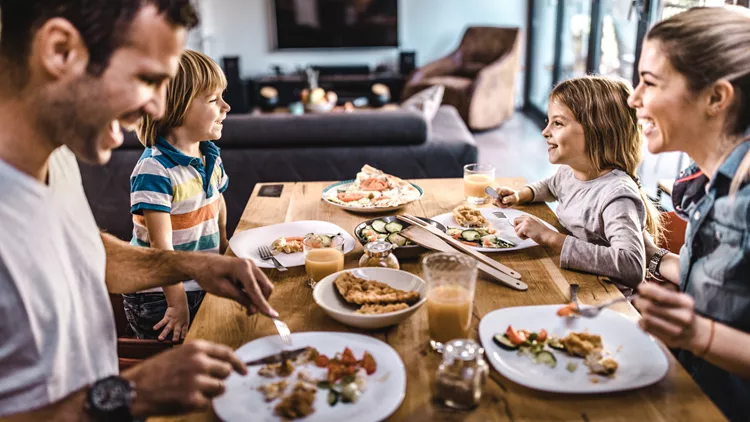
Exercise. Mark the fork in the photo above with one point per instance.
(284, 332)
(593, 311)
(265, 254)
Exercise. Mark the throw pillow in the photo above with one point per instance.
(426, 101)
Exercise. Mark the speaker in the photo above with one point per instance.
(235, 95)
(407, 62)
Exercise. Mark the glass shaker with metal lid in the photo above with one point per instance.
(460, 379)
(379, 254)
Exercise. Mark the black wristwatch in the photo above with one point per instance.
(109, 399)
(655, 262)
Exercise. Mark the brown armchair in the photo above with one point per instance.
(479, 76)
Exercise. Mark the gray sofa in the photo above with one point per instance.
(285, 148)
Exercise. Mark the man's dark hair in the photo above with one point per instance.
(103, 24)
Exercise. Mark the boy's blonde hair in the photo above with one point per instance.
(610, 127)
(708, 44)
(197, 75)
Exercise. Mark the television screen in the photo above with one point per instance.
(336, 23)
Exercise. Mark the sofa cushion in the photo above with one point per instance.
(426, 101)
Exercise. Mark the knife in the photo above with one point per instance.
(278, 357)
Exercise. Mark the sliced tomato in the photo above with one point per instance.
(368, 363)
(567, 310)
(515, 337)
(321, 361)
(542, 336)
(347, 358)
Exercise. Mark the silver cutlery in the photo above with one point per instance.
(284, 332)
(499, 214)
(574, 294)
(591, 312)
(278, 357)
(265, 254)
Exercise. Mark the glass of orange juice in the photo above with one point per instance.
(451, 278)
(324, 255)
(477, 177)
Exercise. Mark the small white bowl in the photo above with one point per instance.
(327, 297)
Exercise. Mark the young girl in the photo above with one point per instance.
(176, 192)
(594, 135)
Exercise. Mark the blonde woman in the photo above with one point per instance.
(594, 135)
(176, 192)
(694, 96)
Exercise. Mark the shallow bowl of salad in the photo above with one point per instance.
(388, 229)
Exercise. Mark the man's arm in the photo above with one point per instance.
(134, 268)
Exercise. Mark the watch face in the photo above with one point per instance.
(111, 394)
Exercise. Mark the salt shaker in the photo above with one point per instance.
(379, 254)
(460, 379)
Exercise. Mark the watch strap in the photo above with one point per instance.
(655, 262)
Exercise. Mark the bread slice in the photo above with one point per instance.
(381, 309)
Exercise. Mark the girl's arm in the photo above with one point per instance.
(671, 317)
(223, 242)
(177, 317)
(624, 259)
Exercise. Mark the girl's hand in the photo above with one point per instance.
(670, 316)
(176, 320)
(508, 197)
(528, 227)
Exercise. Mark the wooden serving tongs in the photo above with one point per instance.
(431, 238)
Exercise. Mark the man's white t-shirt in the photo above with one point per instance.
(57, 331)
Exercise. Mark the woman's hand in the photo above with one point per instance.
(670, 316)
(528, 227)
(176, 320)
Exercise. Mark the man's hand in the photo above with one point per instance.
(176, 321)
(183, 379)
(234, 278)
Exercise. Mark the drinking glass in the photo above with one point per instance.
(451, 279)
(322, 260)
(477, 177)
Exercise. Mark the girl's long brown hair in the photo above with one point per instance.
(610, 127)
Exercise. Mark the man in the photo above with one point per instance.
(72, 72)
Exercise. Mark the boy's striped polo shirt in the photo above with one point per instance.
(167, 180)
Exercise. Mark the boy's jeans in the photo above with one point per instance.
(144, 310)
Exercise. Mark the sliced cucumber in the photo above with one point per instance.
(546, 358)
(554, 343)
(379, 226)
(504, 342)
(470, 235)
(382, 236)
(453, 232)
(397, 239)
(325, 240)
(394, 227)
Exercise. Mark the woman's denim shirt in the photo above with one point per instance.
(715, 270)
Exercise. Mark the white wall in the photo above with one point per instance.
(432, 28)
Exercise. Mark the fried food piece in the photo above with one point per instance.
(467, 216)
(600, 365)
(582, 344)
(299, 403)
(272, 370)
(273, 390)
(381, 309)
(360, 291)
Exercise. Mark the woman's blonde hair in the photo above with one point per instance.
(708, 44)
(197, 75)
(610, 128)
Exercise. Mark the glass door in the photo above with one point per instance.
(541, 57)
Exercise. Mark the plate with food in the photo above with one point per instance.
(370, 298)
(285, 241)
(327, 376)
(372, 191)
(534, 347)
(388, 229)
(486, 229)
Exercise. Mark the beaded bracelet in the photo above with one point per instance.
(710, 340)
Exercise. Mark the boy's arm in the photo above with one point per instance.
(223, 241)
(177, 317)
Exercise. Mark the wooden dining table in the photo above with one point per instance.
(675, 398)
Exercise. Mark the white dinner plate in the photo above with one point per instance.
(385, 388)
(641, 361)
(503, 226)
(245, 244)
(365, 210)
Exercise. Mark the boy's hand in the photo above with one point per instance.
(176, 320)
(508, 197)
